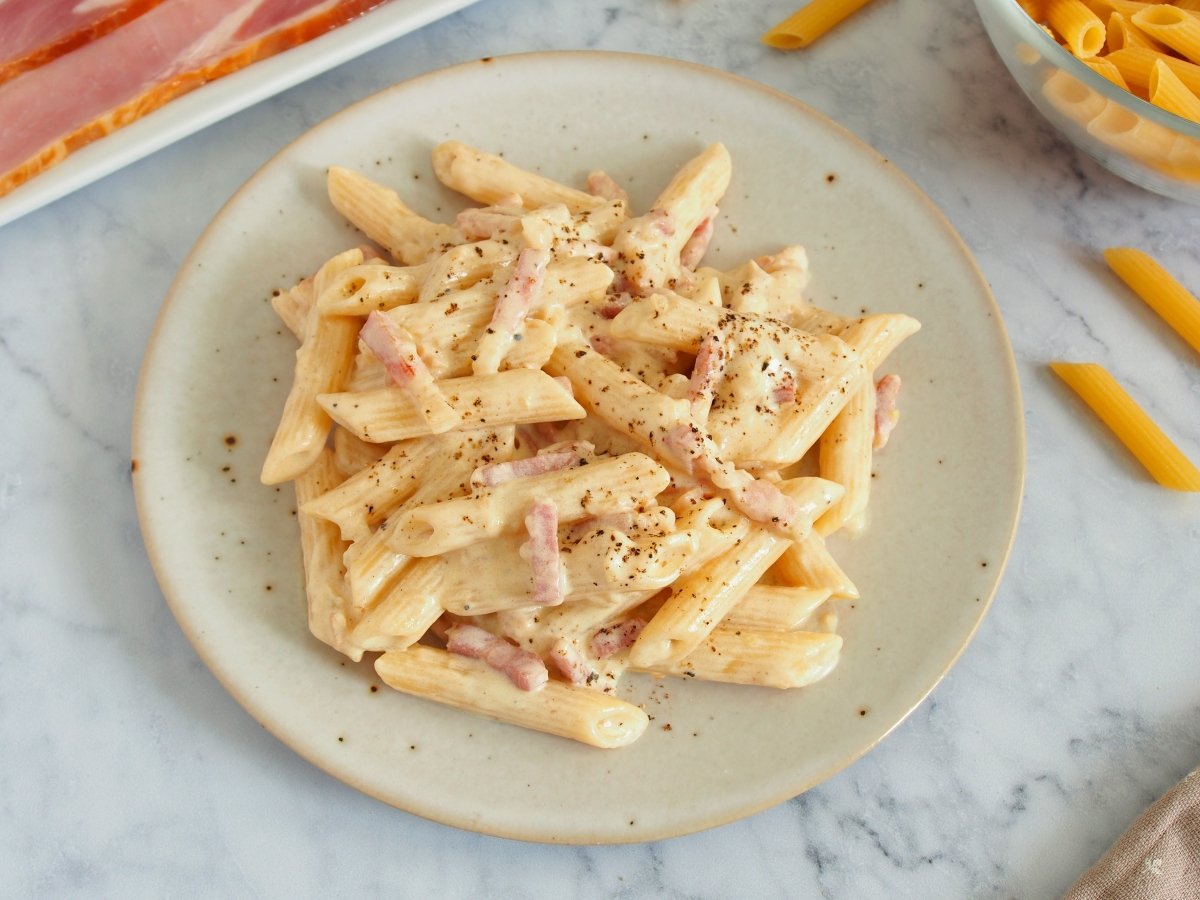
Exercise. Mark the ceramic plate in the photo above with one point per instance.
(222, 98)
(944, 509)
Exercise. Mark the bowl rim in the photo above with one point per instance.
(1089, 77)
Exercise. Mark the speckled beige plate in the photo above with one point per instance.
(946, 497)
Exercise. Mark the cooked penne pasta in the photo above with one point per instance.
(562, 448)
(810, 22)
(562, 709)
(1177, 306)
(1132, 426)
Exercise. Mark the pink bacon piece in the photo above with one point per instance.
(542, 526)
(662, 221)
(394, 347)
(523, 668)
(764, 502)
(521, 291)
(550, 460)
(480, 224)
(887, 392)
(570, 661)
(697, 245)
(708, 370)
(614, 304)
(601, 184)
(612, 639)
(785, 392)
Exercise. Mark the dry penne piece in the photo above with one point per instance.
(565, 448)
(1168, 92)
(1171, 26)
(1131, 424)
(572, 712)
(1136, 63)
(810, 22)
(1081, 29)
(1146, 277)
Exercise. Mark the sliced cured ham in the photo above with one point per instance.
(33, 32)
(175, 47)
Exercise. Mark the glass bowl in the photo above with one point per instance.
(1145, 145)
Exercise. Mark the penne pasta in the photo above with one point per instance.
(1173, 27)
(1131, 425)
(1170, 93)
(810, 22)
(1081, 29)
(561, 709)
(559, 446)
(1177, 306)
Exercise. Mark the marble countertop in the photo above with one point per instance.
(126, 770)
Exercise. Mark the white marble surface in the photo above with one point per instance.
(126, 771)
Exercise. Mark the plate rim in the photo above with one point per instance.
(246, 699)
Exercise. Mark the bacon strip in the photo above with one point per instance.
(550, 460)
(697, 245)
(523, 668)
(601, 184)
(542, 525)
(179, 45)
(517, 298)
(887, 392)
(612, 639)
(570, 661)
(764, 502)
(397, 350)
(710, 366)
(479, 224)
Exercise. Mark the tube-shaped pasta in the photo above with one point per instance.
(699, 601)
(1136, 64)
(778, 659)
(810, 22)
(513, 397)
(619, 484)
(1106, 69)
(404, 613)
(809, 563)
(776, 607)
(1131, 424)
(580, 714)
(490, 180)
(845, 458)
(1168, 92)
(1146, 277)
(1173, 27)
(380, 214)
(1081, 28)
(360, 290)
(322, 365)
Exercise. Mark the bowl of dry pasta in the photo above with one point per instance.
(1119, 78)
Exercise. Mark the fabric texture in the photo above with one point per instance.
(1158, 858)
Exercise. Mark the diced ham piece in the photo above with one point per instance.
(612, 639)
(764, 502)
(33, 32)
(708, 370)
(601, 184)
(550, 460)
(697, 245)
(177, 46)
(887, 414)
(570, 661)
(613, 305)
(785, 392)
(521, 291)
(523, 668)
(397, 350)
(542, 526)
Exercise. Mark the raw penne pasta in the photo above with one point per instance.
(1172, 27)
(1170, 93)
(565, 710)
(1106, 69)
(1132, 426)
(562, 448)
(1136, 63)
(1177, 306)
(810, 22)
(1121, 34)
(1081, 29)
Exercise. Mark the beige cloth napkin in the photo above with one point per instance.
(1158, 858)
